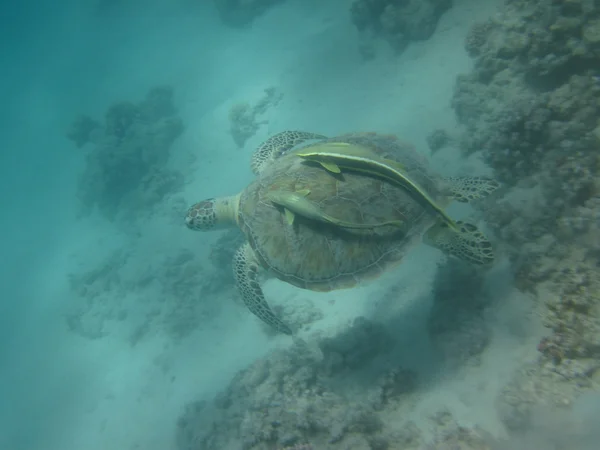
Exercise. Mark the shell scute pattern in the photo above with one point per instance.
(322, 257)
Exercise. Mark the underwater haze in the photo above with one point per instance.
(147, 306)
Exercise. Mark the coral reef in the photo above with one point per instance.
(349, 397)
(299, 447)
(244, 119)
(240, 13)
(457, 324)
(82, 130)
(476, 38)
(178, 296)
(536, 387)
(449, 435)
(531, 107)
(397, 21)
(126, 170)
(438, 139)
(292, 398)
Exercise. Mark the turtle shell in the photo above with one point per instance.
(322, 257)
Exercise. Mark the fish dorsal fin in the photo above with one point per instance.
(331, 167)
(289, 216)
(394, 164)
(338, 144)
(303, 192)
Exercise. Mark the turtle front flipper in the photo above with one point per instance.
(467, 189)
(468, 243)
(280, 143)
(245, 270)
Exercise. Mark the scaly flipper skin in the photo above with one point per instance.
(467, 189)
(468, 244)
(276, 145)
(245, 270)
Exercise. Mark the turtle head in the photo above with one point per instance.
(212, 214)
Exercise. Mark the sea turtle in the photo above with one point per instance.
(320, 255)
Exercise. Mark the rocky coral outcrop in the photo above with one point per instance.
(126, 170)
(458, 325)
(82, 130)
(536, 123)
(397, 22)
(439, 139)
(449, 435)
(349, 397)
(178, 292)
(240, 13)
(245, 119)
(293, 398)
(531, 107)
(533, 389)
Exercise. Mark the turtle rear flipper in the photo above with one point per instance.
(468, 243)
(245, 270)
(467, 189)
